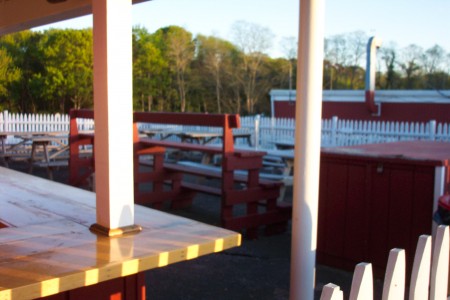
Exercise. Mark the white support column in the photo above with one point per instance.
(307, 149)
(113, 112)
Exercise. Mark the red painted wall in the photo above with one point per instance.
(408, 112)
(131, 287)
(367, 206)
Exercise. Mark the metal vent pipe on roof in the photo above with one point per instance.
(372, 46)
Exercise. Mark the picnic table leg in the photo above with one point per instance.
(47, 160)
(226, 212)
(32, 158)
(158, 185)
(184, 197)
(34, 147)
(252, 207)
(50, 172)
(3, 137)
(140, 176)
(5, 160)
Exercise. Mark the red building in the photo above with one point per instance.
(377, 197)
(393, 105)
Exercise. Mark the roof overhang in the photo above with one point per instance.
(17, 15)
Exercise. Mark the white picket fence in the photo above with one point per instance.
(265, 130)
(14, 122)
(429, 276)
(336, 132)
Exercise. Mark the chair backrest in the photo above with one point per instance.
(75, 114)
(226, 121)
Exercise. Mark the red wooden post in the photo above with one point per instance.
(80, 168)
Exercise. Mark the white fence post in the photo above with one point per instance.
(362, 283)
(331, 292)
(5, 120)
(333, 134)
(432, 130)
(256, 142)
(426, 282)
(420, 277)
(2, 122)
(439, 265)
(394, 279)
(266, 130)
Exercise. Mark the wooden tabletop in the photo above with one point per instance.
(34, 133)
(285, 145)
(47, 247)
(429, 152)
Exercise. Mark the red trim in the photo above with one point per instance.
(370, 102)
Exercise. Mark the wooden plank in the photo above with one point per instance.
(422, 202)
(201, 188)
(394, 280)
(214, 149)
(439, 266)
(15, 212)
(401, 185)
(335, 209)
(200, 169)
(248, 195)
(215, 120)
(331, 292)
(181, 146)
(50, 255)
(216, 172)
(357, 217)
(362, 282)
(378, 248)
(420, 276)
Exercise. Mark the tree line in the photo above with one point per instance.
(51, 70)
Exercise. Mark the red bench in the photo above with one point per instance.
(259, 196)
(81, 165)
(158, 182)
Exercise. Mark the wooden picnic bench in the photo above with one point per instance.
(81, 166)
(158, 182)
(258, 196)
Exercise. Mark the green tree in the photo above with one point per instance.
(391, 76)
(214, 56)
(9, 74)
(68, 76)
(357, 42)
(148, 70)
(180, 51)
(336, 54)
(290, 46)
(433, 65)
(22, 47)
(253, 41)
(410, 65)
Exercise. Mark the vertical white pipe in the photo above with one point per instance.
(372, 45)
(307, 149)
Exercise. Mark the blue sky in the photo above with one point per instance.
(421, 22)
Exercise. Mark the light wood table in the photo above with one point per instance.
(48, 160)
(287, 155)
(47, 248)
(285, 145)
(21, 149)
